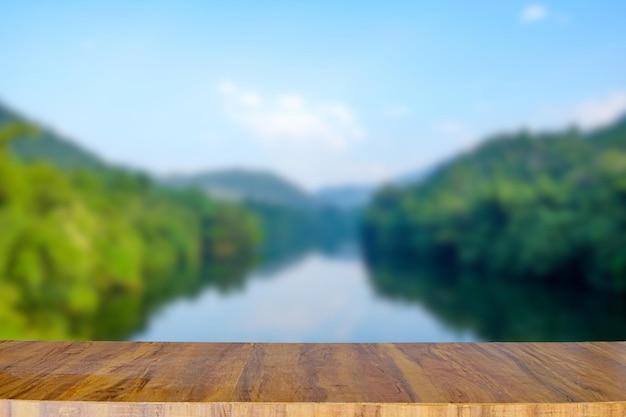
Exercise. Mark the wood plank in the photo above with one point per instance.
(120, 371)
(224, 379)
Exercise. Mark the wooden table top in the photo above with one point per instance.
(462, 374)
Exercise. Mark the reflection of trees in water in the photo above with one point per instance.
(289, 235)
(124, 314)
(274, 263)
(289, 232)
(499, 310)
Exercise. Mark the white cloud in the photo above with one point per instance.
(291, 101)
(599, 112)
(226, 88)
(534, 13)
(251, 99)
(290, 118)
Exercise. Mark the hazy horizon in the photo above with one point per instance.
(323, 94)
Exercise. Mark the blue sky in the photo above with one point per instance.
(324, 93)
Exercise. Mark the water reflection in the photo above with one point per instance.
(125, 313)
(315, 299)
(335, 296)
(499, 310)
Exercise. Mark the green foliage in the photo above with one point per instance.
(86, 254)
(548, 207)
(287, 231)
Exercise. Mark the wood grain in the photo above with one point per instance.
(228, 379)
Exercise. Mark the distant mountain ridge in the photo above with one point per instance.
(257, 186)
(246, 185)
(266, 187)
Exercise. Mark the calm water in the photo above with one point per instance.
(316, 298)
(322, 298)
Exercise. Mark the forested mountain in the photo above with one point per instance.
(87, 253)
(88, 250)
(246, 185)
(264, 187)
(234, 185)
(49, 146)
(533, 207)
(291, 220)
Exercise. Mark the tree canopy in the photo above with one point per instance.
(84, 254)
(535, 207)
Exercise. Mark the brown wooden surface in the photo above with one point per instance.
(185, 379)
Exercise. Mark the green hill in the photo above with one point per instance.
(292, 221)
(533, 207)
(49, 146)
(245, 185)
(89, 253)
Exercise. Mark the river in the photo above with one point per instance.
(322, 297)
(316, 298)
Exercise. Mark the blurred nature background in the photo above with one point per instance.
(313, 171)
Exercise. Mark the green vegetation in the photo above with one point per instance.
(292, 221)
(88, 250)
(541, 208)
(288, 231)
(86, 254)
